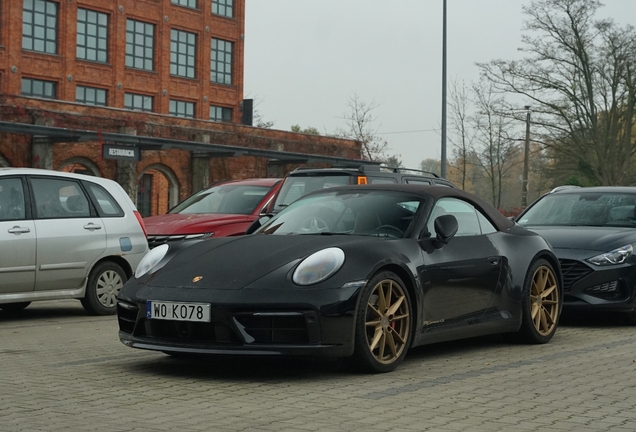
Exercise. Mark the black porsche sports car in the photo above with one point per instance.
(360, 272)
(593, 233)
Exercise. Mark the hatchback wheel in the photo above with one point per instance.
(104, 283)
(383, 325)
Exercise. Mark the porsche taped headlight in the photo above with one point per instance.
(617, 256)
(319, 266)
(151, 259)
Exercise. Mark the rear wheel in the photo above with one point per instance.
(14, 307)
(383, 325)
(541, 304)
(104, 283)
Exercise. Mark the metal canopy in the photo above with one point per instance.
(150, 143)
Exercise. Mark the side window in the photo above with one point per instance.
(106, 204)
(11, 199)
(465, 214)
(58, 198)
(486, 226)
(382, 180)
(417, 181)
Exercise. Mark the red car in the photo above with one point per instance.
(224, 209)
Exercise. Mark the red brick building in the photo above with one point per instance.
(93, 72)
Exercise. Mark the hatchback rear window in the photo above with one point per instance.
(106, 204)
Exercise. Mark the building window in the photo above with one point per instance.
(220, 114)
(139, 44)
(223, 7)
(138, 102)
(221, 62)
(39, 26)
(90, 95)
(144, 195)
(187, 3)
(92, 35)
(182, 108)
(182, 53)
(39, 88)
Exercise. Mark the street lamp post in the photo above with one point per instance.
(526, 156)
(443, 161)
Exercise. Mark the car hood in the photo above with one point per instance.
(236, 262)
(174, 224)
(592, 239)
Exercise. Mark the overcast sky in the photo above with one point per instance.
(305, 59)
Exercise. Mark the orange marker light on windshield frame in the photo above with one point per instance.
(362, 180)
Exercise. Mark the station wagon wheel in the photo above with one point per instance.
(104, 283)
(383, 324)
(541, 305)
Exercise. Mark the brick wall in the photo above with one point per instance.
(113, 76)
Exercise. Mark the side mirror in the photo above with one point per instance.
(258, 223)
(445, 227)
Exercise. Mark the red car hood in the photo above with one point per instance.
(174, 224)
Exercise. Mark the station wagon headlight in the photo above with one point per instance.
(319, 266)
(617, 256)
(151, 259)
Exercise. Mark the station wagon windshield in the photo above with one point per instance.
(583, 209)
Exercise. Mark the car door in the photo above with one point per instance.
(71, 236)
(17, 237)
(460, 279)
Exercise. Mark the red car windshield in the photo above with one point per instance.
(226, 199)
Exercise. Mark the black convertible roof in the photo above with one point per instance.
(501, 222)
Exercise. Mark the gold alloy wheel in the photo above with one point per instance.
(544, 300)
(387, 321)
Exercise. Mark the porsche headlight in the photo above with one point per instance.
(151, 259)
(617, 256)
(319, 266)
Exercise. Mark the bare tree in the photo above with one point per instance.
(462, 134)
(496, 151)
(361, 127)
(580, 76)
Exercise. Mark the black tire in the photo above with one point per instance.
(104, 283)
(14, 307)
(541, 305)
(382, 325)
(631, 317)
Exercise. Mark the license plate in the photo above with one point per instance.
(177, 311)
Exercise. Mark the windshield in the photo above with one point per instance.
(368, 213)
(228, 198)
(583, 209)
(295, 187)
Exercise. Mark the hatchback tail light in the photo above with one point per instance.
(141, 223)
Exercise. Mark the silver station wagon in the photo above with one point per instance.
(65, 235)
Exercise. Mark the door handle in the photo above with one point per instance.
(493, 260)
(18, 230)
(92, 227)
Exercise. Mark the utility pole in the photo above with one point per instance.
(526, 156)
(443, 162)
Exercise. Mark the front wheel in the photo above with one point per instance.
(383, 325)
(631, 317)
(104, 283)
(541, 304)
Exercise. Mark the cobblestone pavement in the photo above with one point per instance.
(63, 370)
